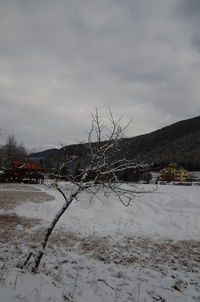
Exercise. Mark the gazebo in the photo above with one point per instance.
(26, 172)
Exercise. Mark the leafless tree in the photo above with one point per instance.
(100, 173)
(12, 150)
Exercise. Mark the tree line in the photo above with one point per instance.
(12, 150)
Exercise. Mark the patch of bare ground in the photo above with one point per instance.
(177, 255)
(183, 255)
(14, 227)
(11, 199)
(18, 187)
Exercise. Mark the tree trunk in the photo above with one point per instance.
(52, 225)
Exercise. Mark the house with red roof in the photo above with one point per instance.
(26, 172)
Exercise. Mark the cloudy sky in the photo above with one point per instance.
(61, 59)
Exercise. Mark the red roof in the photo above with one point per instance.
(17, 163)
(29, 165)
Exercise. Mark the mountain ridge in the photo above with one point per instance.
(178, 142)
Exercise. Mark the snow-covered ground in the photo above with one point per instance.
(101, 250)
(169, 212)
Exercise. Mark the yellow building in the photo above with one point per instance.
(173, 172)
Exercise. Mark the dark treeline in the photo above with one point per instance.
(12, 150)
(179, 143)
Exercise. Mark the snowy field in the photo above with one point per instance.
(101, 250)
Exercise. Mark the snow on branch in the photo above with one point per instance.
(100, 172)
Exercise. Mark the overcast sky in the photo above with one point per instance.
(61, 59)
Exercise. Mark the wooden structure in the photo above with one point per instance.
(26, 172)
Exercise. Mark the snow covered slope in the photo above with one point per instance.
(169, 212)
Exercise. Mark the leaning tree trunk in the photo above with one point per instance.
(51, 227)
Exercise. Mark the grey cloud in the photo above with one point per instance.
(189, 14)
(58, 60)
(189, 8)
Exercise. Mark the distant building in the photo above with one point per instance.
(26, 172)
(173, 172)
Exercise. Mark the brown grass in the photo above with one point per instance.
(14, 227)
(18, 186)
(177, 254)
(11, 199)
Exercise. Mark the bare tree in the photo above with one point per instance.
(101, 172)
(12, 150)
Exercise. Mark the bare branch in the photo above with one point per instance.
(99, 173)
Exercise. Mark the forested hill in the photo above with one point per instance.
(179, 142)
(41, 154)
